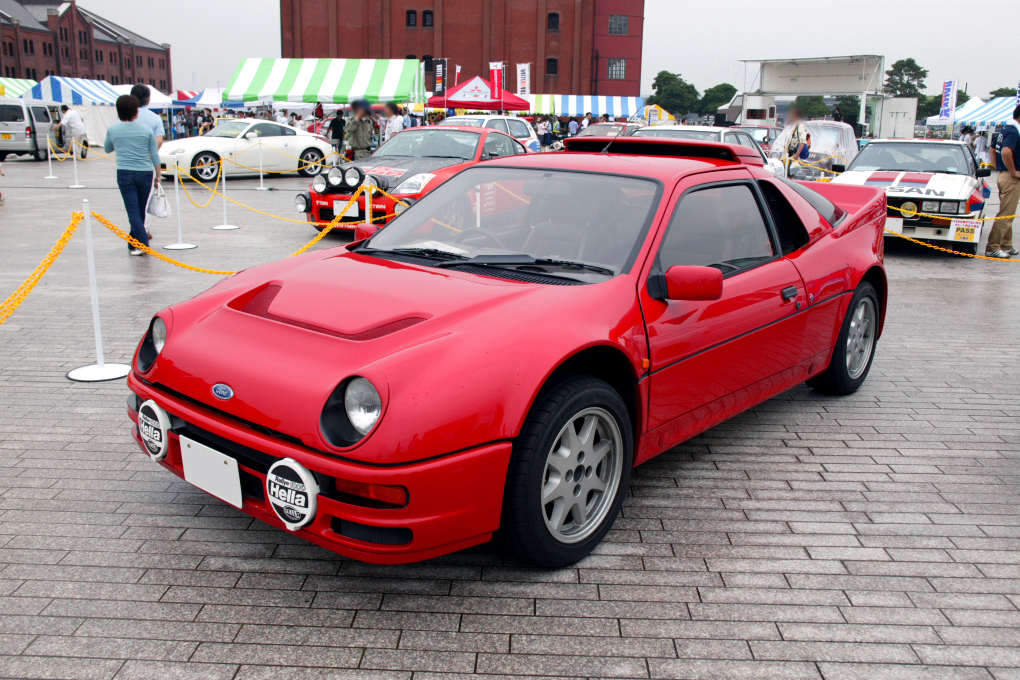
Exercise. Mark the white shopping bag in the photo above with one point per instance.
(159, 205)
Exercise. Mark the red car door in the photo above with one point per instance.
(711, 359)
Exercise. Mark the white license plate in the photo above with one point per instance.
(355, 210)
(211, 471)
(894, 224)
(5, 136)
(966, 230)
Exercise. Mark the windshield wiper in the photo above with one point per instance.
(430, 253)
(519, 259)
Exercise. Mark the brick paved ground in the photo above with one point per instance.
(875, 536)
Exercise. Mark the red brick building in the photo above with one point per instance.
(42, 37)
(574, 46)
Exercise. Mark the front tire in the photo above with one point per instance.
(42, 154)
(569, 473)
(205, 166)
(310, 164)
(855, 346)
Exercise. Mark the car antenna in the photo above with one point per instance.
(605, 151)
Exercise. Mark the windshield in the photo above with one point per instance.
(678, 133)
(467, 122)
(593, 222)
(912, 157)
(760, 135)
(228, 129)
(602, 130)
(431, 142)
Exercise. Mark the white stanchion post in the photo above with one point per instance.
(262, 184)
(49, 160)
(100, 370)
(180, 245)
(74, 160)
(223, 185)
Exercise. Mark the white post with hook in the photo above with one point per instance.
(74, 160)
(49, 159)
(180, 245)
(223, 182)
(100, 370)
(262, 185)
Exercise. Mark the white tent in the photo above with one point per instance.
(157, 100)
(963, 110)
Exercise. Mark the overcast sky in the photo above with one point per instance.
(702, 41)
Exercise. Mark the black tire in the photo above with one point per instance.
(524, 528)
(84, 149)
(202, 160)
(41, 154)
(306, 160)
(837, 378)
(3, 157)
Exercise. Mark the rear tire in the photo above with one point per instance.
(568, 474)
(855, 346)
(41, 154)
(308, 158)
(205, 166)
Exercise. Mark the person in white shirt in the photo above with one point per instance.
(394, 121)
(281, 117)
(74, 129)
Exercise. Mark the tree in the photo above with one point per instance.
(812, 107)
(906, 79)
(928, 106)
(1003, 92)
(674, 94)
(715, 97)
(849, 104)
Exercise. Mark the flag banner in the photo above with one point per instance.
(523, 79)
(496, 77)
(1018, 94)
(456, 79)
(440, 66)
(949, 89)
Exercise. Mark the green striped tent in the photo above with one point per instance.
(542, 103)
(337, 81)
(15, 87)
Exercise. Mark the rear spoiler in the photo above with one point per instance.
(661, 146)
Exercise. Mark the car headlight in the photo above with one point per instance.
(301, 203)
(152, 344)
(930, 206)
(319, 184)
(909, 209)
(950, 207)
(403, 205)
(158, 334)
(353, 176)
(415, 184)
(363, 405)
(335, 177)
(370, 181)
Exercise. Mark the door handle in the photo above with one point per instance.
(789, 293)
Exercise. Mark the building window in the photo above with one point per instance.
(64, 34)
(427, 58)
(8, 72)
(47, 49)
(8, 49)
(31, 73)
(29, 46)
(101, 76)
(83, 54)
(553, 23)
(616, 69)
(552, 67)
(83, 37)
(99, 56)
(139, 61)
(162, 63)
(162, 84)
(411, 56)
(427, 19)
(113, 57)
(65, 52)
(412, 18)
(618, 24)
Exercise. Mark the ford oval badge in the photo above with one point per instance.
(222, 391)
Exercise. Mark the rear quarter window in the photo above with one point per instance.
(11, 113)
(832, 213)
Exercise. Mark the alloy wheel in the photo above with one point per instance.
(860, 339)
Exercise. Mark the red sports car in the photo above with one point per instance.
(505, 351)
(410, 165)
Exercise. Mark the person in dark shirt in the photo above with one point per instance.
(1007, 162)
(336, 131)
(837, 115)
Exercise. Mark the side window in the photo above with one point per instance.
(40, 114)
(720, 227)
(289, 132)
(518, 128)
(266, 130)
(789, 228)
(499, 145)
(731, 138)
(12, 113)
(497, 124)
(971, 163)
(519, 148)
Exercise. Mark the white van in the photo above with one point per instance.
(25, 125)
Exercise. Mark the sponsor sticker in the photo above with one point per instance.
(968, 231)
(292, 491)
(153, 426)
(384, 171)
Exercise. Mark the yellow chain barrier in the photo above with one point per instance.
(144, 248)
(17, 297)
(913, 213)
(519, 198)
(184, 185)
(329, 226)
(948, 250)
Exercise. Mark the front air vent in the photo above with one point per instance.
(257, 303)
(370, 534)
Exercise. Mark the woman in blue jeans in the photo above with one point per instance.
(137, 164)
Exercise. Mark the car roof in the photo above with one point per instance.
(918, 141)
(696, 128)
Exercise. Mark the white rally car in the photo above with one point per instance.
(936, 191)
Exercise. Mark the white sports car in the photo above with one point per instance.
(936, 191)
(237, 141)
(710, 133)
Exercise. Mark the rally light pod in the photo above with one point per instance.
(303, 202)
(153, 426)
(291, 491)
(353, 176)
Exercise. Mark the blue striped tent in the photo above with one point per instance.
(998, 110)
(578, 105)
(73, 91)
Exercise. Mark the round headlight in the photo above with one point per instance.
(363, 404)
(370, 181)
(909, 209)
(319, 184)
(158, 334)
(352, 176)
(301, 203)
(335, 176)
(403, 205)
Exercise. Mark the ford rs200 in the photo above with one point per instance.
(511, 346)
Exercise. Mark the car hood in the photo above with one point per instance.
(398, 168)
(921, 185)
(283, 336)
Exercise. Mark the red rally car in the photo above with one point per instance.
(507, 349)
(408, 166)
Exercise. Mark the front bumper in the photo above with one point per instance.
(454, 501)
(933, 228)
(324, 209)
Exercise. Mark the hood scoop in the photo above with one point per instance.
(259, 302)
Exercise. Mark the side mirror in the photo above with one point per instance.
(984, 172)
(363, 231)
(250, 135)
(685, 282)
(838, 167)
